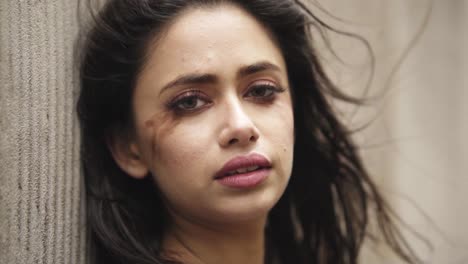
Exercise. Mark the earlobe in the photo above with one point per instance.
(128, 157)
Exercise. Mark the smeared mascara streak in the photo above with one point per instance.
(160, 125)
(149, 123)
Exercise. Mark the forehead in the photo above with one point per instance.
(211, 39)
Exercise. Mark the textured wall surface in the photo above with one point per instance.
(40, 212)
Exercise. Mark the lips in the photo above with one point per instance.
(243, 165)
(243, 170)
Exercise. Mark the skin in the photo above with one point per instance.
(182, 143)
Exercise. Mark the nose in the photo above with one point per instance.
(238, 127)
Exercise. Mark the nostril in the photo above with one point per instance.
(233, 141)
(253, 138)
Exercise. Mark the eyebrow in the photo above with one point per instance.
(208, 78)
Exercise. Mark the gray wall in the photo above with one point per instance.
(416, 146)
(40, 185)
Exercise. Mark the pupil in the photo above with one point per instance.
(260, 91)
(190, 102)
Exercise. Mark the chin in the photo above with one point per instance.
(248, 208)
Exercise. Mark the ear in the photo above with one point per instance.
(128, 157)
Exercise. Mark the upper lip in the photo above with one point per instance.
(240, 162)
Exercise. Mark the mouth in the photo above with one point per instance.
(244, 171)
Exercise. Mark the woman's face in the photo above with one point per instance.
(212, 103)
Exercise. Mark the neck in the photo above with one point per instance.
(228, 243)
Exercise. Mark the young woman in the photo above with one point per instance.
(208, 138)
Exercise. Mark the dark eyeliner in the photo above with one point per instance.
(270, 86)
(173, 104)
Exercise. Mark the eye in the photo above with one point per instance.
(263, 91)
(189, 102)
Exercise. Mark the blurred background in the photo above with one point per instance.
(415, 122)
(412, 138)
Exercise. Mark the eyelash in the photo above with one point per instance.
(270, 87)
(175, 104)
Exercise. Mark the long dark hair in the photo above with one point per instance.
(322, 216)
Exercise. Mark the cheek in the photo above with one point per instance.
(176, 148)
(278, 129)
(278, 125)
(179, 152)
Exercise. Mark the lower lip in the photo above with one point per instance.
(245, 180)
